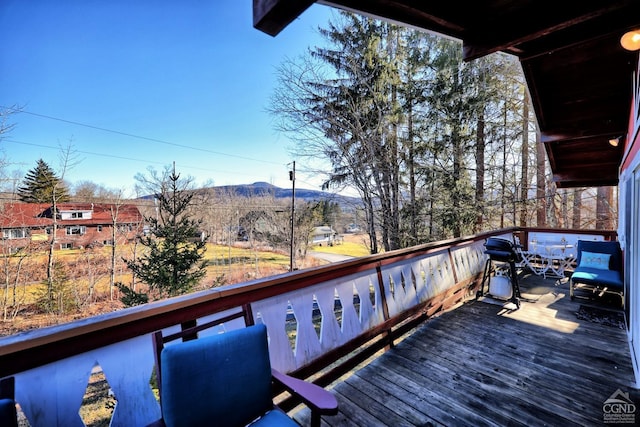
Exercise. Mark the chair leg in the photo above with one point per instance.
(571, 289)
(8, 388)
(515, 287)
(485, 275)
(315, 419)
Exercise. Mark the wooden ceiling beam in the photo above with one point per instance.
(271, 16)
(571, 181)
(419, 14)
(527, 26)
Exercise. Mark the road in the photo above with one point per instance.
(329, 257)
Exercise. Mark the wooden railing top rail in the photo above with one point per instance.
(608, 234)
(38, 347)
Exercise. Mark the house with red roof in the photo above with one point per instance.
(78, 225)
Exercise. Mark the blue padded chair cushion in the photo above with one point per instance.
(595, 276)
(275, 418)
(602, 247)
(611, 278)
(8, 416)
(223, 379)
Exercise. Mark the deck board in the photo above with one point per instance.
(484, 365)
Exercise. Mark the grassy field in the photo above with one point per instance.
(225, 265)
(352, 245)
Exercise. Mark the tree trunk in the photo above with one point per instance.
(565, 209)
(524, 176)
(541, 203)
(504, 167)
(457, 173)
(5, 296)
(577, 207)
(50, 255)
(480, 170)
(394, 165)
(413, 215)
(112, 273)
(370, 214)
(553, 212)
(603, 208)
(432, 192)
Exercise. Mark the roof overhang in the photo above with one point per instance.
(579, 76)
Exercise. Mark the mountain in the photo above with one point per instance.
(265, 189)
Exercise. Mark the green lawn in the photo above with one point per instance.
(351, 246)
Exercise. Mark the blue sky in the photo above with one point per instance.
(133, 84)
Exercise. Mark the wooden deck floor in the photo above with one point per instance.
(483, 365)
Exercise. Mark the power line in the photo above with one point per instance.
(146, 161)
(73, 122)
(131, 135)
(113, 156)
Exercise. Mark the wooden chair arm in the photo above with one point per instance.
(315, 397)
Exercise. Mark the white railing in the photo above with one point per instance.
(557, 236)
(367, 292)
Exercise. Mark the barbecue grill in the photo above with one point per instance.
(500, 270)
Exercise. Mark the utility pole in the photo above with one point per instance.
(292, 178)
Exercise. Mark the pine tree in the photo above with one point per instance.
(42, 185)
(174, 263)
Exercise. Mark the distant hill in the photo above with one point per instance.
(265, 189)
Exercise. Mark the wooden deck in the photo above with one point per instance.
(484, 365)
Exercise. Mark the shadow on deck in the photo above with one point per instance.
(482, 365)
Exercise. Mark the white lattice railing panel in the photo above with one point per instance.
(296, 314)
(307, 343)
(469, 260)
(370, 301)
(60, 386)
(331, 308)
(399, 287)
(437, 275)
(136, 403)
(272, 312)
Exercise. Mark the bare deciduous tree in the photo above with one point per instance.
(53, 297)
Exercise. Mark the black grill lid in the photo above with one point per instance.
(499, 244)
(500, 249)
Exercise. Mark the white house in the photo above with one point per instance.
(323, 235)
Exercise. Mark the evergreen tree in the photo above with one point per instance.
(174, 263)
(329, 212)
(42, 185)
(401, 118)
(351, 118)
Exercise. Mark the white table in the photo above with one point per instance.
(554, 258)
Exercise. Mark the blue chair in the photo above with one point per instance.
(598, 268)
(8, 414)
(227, 380)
